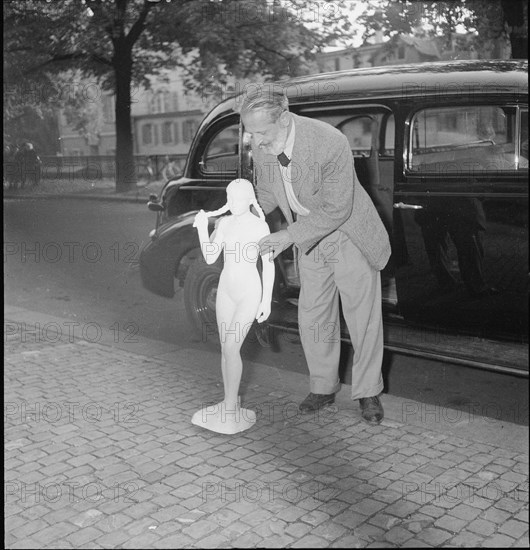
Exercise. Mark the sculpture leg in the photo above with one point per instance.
(234, 320)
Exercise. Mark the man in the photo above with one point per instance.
(18, 159)
(9, 165)
(170, 169)
(31, 164)
(305, 167)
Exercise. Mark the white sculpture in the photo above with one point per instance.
(241, 296)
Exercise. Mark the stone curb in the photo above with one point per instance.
(83, 196)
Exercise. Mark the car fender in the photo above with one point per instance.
(160, 258)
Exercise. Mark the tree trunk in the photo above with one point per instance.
(125, 167)
(519, 44)
(516, 16)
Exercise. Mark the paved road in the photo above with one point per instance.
(77, 259)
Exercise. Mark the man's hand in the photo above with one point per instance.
(275, 243)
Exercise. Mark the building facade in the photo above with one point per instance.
(409, 49)
(164, 121)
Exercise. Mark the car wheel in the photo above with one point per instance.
(200, 293)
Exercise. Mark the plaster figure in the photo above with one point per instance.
(242, 296)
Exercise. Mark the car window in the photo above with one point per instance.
(387, 148)
(221, 152)
(360, 127)
(467, 139)
(358, 130)
(523, 154)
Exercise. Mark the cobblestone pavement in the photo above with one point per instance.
(100, 453)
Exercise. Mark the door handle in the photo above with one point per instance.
(404, 206)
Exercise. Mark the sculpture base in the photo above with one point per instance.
(224, 420)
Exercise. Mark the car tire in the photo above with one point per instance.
(200, 292)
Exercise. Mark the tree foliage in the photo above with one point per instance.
(490, 20)
(122, 42)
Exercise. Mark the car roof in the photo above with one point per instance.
(444, 78)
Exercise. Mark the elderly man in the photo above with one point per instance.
(305, 167)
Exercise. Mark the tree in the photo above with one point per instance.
(489, 19)
(122, 42)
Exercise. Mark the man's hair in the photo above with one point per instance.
(270, 98)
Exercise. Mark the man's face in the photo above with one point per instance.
(265, 134)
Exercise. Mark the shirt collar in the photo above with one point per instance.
(289, 144)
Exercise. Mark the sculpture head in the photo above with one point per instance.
(240, 197)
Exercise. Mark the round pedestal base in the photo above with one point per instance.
(224, 420)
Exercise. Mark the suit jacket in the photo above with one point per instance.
(324, 181)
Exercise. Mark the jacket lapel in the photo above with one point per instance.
(302, 161)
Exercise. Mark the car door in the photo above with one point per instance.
(463, 208)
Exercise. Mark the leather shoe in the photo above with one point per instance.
(371, 410)
(315, 401)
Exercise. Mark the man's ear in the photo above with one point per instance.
(285, 119)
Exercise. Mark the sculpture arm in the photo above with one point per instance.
(211, 246)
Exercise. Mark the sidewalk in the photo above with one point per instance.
(100, 453)
(79, 188)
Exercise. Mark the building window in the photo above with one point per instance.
(188, 130)
(166, 98)
(337, 64)
(166, 132)
(153, 107)
(161, 102)
(175, 132)
(109, 114)
(147, 134)
(401, 52)
(175, 98)
(156, 104)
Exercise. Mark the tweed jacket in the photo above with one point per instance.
(324, 181)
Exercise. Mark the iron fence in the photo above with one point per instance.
(93, 167)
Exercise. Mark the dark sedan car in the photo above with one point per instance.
(442, 149)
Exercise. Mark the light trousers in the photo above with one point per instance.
(336, 268)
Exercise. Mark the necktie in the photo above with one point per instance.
(283, 159)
